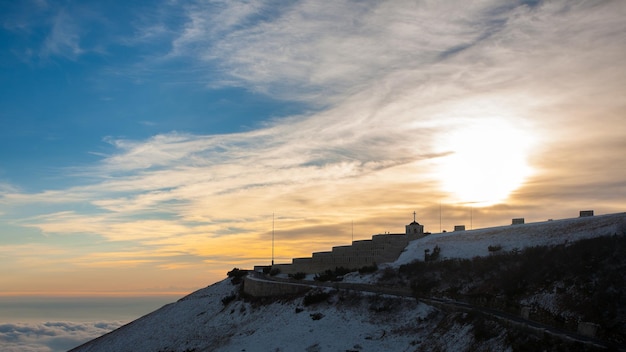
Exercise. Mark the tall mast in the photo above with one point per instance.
(272, 239)
(439, 217)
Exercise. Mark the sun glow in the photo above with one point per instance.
(488, 161)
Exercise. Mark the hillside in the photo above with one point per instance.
(474, 243)
(220, 318)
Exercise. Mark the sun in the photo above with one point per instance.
(486, 162)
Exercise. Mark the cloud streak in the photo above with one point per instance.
(323, 52)
(388, 83)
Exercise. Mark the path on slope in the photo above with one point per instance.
(514, 320)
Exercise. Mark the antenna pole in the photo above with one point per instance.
(352, 230)
(439, 217)
(272, 239)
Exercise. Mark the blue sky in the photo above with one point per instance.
(75, 74)
(145, 146)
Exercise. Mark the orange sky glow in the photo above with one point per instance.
(461, 114)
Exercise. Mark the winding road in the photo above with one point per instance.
(511, 319)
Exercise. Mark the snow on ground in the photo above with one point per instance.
(286, 325)
(340, 328)
(201, 322)
(172, 325)
(475, 243)
(357, 278)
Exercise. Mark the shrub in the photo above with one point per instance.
(484, 329)
(274, 272)
(315, 297)
(324, 276)
(389, 274)
(379, 304)
(494, 248)
(431, 257)
(298, 276)
(236, 275)
(236, 272)
(340, 271)
(316, 316)
(368, 269)
(424, 286)
(412, 268)
(229, 299)
(332, 275)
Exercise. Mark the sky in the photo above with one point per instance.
(150, 147)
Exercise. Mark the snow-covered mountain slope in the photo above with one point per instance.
(345, 321)
(201, 322)
(475, 243)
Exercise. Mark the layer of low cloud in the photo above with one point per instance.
(50, 336)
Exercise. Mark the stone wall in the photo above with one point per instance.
(259, 288)
(380, 249)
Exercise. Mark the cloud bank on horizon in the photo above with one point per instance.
(51, 336)
(394, 106)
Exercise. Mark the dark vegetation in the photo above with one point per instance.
(585, 279)
(298, 276)
(332, 275)
(236, 278)
(316, 316)
(494, 248)
(379, 303)
(229, 298)
(526, 341)
(315, 296)
(274, 272)
(484, 329)
(339, 272)
(432, 256)
(236, 275)
(368, 269)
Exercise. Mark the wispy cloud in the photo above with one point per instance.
(391, 82)
(52, 30)
(64, 38)
(322, 52)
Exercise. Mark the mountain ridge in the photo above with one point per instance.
(345, 320)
